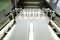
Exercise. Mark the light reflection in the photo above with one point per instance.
(31, 32)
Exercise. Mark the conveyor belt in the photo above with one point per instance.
(21, 31)
(39, 29)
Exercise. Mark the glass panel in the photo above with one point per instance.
(58, 4)
(5, 6)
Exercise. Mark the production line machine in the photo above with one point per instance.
(29, 20)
